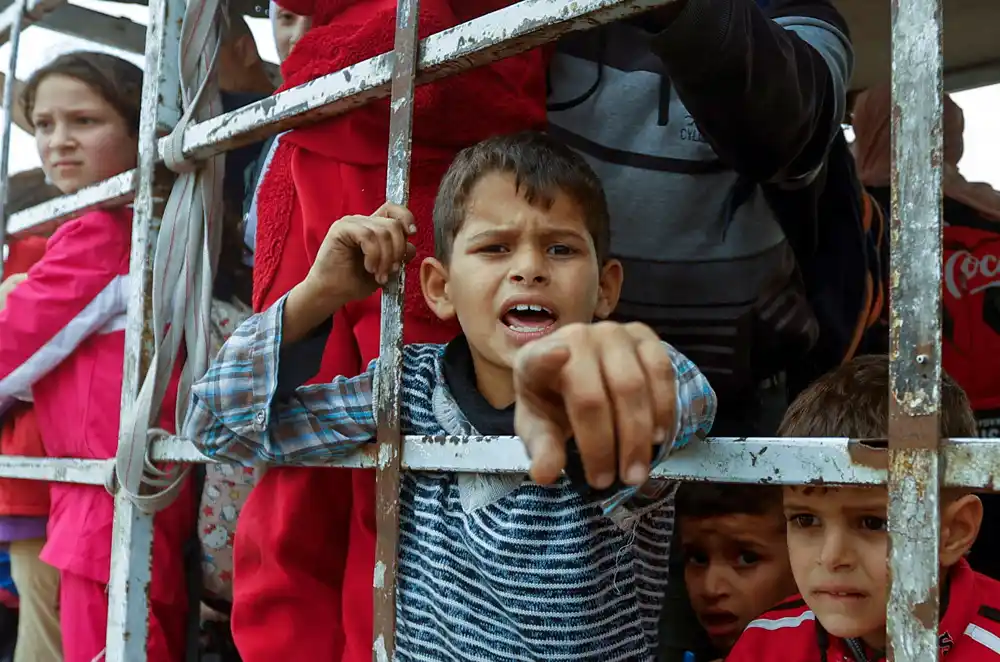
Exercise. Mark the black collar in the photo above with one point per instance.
(460, 375)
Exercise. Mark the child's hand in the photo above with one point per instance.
(610, 386)
(359, 254)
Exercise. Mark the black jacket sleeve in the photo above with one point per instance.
(767, 87)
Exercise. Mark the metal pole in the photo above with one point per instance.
(389, 378)
(8, 120)
(132, 536)
(914, 426)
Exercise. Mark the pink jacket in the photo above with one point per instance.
(62, 340)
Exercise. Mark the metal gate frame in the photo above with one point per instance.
(917, 464)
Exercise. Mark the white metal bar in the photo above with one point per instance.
(32, 11)
(100, 28)
(914, 419)
(969, 463)
(57, 470)
(132, 535)
(42, 219)
(388, 382)
(8, 118)
(506, 32)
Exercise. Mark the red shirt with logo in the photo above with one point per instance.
(969, 632)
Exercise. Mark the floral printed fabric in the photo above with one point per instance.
(226, 486)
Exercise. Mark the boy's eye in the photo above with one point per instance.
(84, 120)
(802, 521)
(873, 523)
(561, 249)
(493, 248)
(695, 557)
(748, 557)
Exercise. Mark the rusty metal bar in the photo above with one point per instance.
(44, 218)
(389, 380)
(500, 34)
(58, 470)
(132, 535)
(969, 463)
(914, 423)
(8, 117)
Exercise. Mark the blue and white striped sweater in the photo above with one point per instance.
(534, 573)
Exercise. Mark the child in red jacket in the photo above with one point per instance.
(305, 544)
(838, 544)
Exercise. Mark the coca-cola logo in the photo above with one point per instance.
(965, 273)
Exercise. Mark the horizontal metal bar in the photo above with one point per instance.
(970, 463)
(33, 11)
(500, 34)
(98, 27)
(41, 219)
(57, 470)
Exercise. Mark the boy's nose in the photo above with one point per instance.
(528, 267)
(836, 551)
(717, 584)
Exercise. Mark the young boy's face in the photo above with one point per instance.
(838, 546)
(735, 568)
(517, 273)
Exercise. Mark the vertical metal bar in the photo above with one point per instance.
(389, 378)
(8, 120)
(914, 429)
(132, 536)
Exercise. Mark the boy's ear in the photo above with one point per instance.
(434, 283)
(960, 522)
(609, 289)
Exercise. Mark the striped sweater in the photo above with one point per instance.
(528, 573)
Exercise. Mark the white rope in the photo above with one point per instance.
(184, 261)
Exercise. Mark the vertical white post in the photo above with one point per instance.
(132, 541)
(9, 104)
(389, 378)
(914, 427)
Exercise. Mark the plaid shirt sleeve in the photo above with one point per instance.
(696, 405)
(238, 413)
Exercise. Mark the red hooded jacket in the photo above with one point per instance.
(304, 549)
(969, 631)
(19, 434)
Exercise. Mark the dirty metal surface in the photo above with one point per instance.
(503, 33)
(60, 470)
(8, 102)
(44, 218)
(389, 376)
(33, 10)
(915, 350)
(969, 463)
(132, 534)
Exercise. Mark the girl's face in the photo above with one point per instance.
(288, 29)
(81, 138)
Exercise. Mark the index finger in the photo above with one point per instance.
(399, 213)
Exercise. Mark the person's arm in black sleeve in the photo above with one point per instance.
(766, 87)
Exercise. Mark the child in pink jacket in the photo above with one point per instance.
(62, 341)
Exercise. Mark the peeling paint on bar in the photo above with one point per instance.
(60, 470)
(524, 25)
(915, 331)
(969, 463)
(389, 377)
(132, 533)
(43, 218)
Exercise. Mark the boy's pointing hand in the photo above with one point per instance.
(610, 386)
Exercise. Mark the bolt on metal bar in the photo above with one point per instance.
(914, 425)
(8, 118)
(508, 31)
(389, 379)
(132, 534)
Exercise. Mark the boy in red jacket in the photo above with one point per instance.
(305, 546)
(838, 545)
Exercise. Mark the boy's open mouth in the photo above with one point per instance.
(528, 318)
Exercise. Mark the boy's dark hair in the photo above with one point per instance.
(704, 500)
(542, 168)
(117, 81)
(853, 401)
